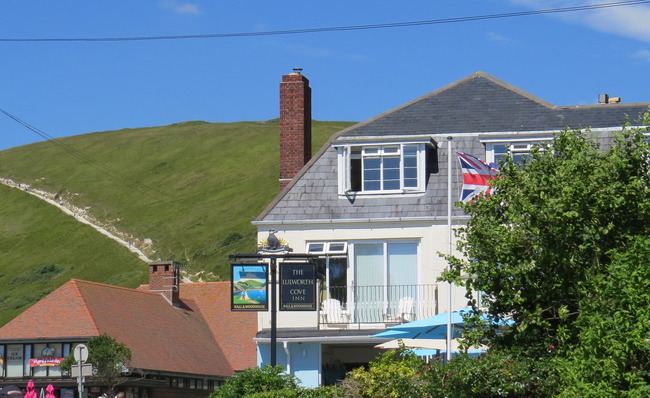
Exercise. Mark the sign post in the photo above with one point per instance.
(81, 355)
(299, 284)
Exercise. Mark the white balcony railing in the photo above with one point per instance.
(388, 304)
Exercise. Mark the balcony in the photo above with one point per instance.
(347, 307)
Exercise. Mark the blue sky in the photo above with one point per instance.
(69, 88)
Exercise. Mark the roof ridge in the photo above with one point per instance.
(112, 286)
(336, 135)
(75, 283)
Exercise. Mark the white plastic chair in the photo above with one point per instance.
(331, 312)
(404, 312)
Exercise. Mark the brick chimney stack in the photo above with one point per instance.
(164, 278)
(295, 125)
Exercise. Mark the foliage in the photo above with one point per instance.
(203, 206)
(256, 380)
(550, 225)
(612, 355)
(395, 373)
(108, 357)
(320, 392)
(497, 373)
(561, 246)
(399, 373)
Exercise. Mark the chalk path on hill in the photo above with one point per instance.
(76, 213)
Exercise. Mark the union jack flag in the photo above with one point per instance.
(476, 174)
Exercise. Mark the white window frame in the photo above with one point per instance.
(327, 247)
(348, 154)
(514, 146)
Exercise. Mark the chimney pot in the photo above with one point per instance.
(164, 278)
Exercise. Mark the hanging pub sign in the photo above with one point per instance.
(297, 287)
(249, 284)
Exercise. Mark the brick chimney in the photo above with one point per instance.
(164, 278)
(295, 125)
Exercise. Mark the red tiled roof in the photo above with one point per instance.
(161, 337)
(62, 313)
(233, 330)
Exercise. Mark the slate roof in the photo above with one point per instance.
(483, 103)
(477, 104)
(161, 337)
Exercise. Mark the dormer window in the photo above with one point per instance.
(382, 168)
(517, 148)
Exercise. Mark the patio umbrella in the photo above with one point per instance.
(50, 391)
(429, 344)
(429, 328)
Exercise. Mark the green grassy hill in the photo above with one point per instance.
(191, 188)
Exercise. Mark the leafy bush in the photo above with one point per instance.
(399, 373)
(395, 373)
(256, 380)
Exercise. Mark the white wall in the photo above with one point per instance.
(433, 239)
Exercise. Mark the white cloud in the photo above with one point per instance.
(181, 8)
(499, 39)
(643, 55)
(627, 21)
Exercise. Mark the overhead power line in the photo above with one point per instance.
(104, 168)
(342, 28)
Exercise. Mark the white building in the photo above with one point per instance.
(373, 203)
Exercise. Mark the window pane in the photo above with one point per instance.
(369, 281)
(338, 278)
(410, 183)
(371, 186)
(338, 247)
(14, 360)
(391, 184)
(402, 278)
(391, 163)
(315, 247)
(500, 149)
(402, 263)
(371, 151)
(372, 175)
(391, 174)
(410, 161)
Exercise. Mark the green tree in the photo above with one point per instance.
(109, 359)
(552, 223)
(561, 247)
(612, 354)
(256, 380)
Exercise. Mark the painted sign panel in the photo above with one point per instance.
(67, 393)
(297, 287)
(249, 287)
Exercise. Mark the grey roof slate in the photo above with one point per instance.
(482, 103)
(478, 103)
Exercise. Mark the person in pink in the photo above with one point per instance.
(50, 391)
(30, 390)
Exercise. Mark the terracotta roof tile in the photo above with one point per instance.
(233, 330)
(161, 337)
(62, 313)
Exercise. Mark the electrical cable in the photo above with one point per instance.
(106, 169)
(340, 28)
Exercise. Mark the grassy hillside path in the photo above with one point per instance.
(78, 214)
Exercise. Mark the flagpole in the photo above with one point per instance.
(449, 207)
